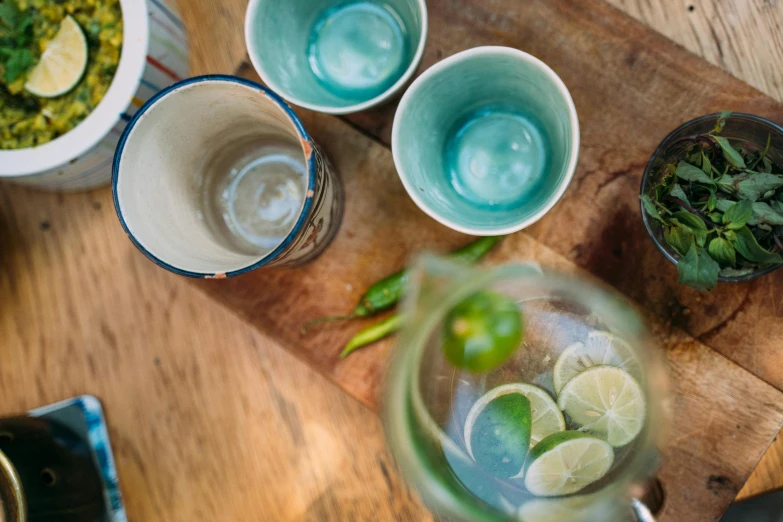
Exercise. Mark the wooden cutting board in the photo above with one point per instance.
(631, 86)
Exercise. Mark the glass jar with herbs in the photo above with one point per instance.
(712, 199)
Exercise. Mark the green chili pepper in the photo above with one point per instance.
(374, 333)
(480, 333)
(385, 293)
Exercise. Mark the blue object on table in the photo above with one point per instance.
(84, 416)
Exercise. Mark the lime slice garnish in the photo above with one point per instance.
(606, 402)
(600, 348)
(545, 415)
(567, 462)
(62, 64)
(497, 433)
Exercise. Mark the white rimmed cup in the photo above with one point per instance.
(161, 164)
(154, 56)
(278, 36)
(468, 83)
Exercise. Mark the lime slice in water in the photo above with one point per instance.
(567, 462)
(497, 433)
(600, 348)
(606, 402)
(545, 415)
(62, 64)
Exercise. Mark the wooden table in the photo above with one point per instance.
(83, 312)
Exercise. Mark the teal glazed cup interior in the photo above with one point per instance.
(472, 99)
(333, 56)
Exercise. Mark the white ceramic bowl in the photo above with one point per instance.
(154, 55)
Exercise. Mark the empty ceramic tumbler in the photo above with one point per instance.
(486, 141)
(336, 56)
(216, 176)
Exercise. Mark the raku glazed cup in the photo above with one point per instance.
(154, 56)
(468, 83)
(164, 158)
(358, 45)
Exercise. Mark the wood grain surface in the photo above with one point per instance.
(209, 420)
(82, 311)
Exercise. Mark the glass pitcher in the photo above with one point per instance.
(580, 344)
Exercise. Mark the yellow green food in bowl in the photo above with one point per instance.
(26, 28)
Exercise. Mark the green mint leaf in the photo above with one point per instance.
(18, 62)
(716, 217)
(750, 185)
(9, 15)
(730, 235)
(691, 221)
(688, 172)
(749, 248)
(706, 166)
(698, 270)
(753, 185)
(649, 206)
(736, 272)
(738, 214)
(726, 184)
(680, 239)
(765, 213)
(712, 202)
(732, 156)
(724, 204)
(677, 192)
(721, 122)
(721, 251)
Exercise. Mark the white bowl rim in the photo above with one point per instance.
(255, 59)
(16, 163)
(575, 138)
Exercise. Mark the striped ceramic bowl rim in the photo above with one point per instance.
(71, 145)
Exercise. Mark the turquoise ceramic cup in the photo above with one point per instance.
(486, 141)
(336, 56)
